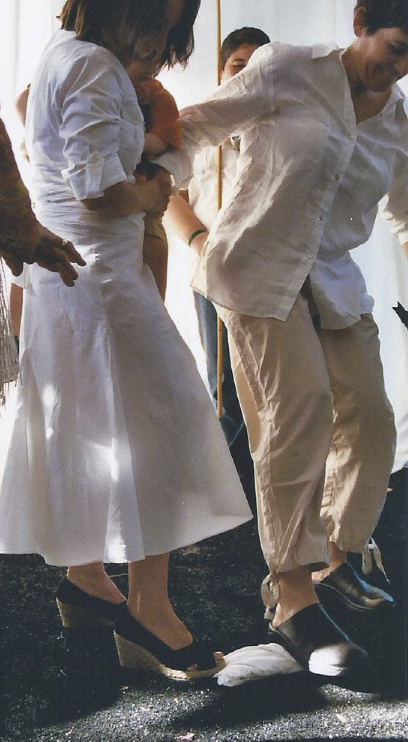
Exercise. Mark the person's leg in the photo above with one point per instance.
(284, 391)
(150, 604)
(362, 452)
(149, 635)
(359, 463)
(231, 421)
(16, 308)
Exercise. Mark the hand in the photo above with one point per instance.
(57, 255)
(52, 253)
(156, 194)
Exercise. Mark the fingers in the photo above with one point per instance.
(58, 258)
(71, 253)
(59, 263)
(15, 265)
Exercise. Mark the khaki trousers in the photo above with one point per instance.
(321, 433)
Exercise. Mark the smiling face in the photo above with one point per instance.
(380, 58)
(238, 60)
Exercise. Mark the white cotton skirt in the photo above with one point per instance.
(116, 451)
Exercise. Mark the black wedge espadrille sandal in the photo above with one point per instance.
(78, 608)
(139, 649)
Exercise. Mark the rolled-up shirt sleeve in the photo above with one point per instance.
(92, 127)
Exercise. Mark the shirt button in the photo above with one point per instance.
(310, 257)
(337, 176)
(320, 218)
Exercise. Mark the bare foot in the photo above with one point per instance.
(169, 628)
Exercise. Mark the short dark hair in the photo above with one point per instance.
(384, 14)
(241, 37)
(131, 23)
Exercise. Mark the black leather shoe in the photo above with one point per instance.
(318, 644)
(345, 585)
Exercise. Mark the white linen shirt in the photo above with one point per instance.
(308, 182)
(93, 134)
(203, 186)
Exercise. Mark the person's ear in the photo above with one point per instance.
(360, 23)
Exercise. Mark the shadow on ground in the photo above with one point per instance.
(67, 685)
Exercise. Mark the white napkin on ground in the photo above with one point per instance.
(255, 663)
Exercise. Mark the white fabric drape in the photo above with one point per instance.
(25, 27)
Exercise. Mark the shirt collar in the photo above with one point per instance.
(323, 50)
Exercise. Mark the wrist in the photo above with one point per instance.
(195, 234)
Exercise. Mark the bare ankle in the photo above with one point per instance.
(296, 592)
(337, 558)
(93, 579)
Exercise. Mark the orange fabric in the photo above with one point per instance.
(163, 113)
(18, 225)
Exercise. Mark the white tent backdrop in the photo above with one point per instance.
(25, 26)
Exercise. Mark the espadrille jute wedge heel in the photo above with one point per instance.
(77, 608)
(139, 649)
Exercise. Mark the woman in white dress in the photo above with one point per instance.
(116, 453)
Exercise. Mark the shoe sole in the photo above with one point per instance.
(134, 657)
(76, 616)
(327, 590)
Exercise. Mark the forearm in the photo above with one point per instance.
(19, 230)
(121, 199)
(185, 223)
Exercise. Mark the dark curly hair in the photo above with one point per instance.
(384, 14)
(132, 24)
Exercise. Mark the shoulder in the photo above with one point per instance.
(72, 60)
(276, 51)
(277, 60)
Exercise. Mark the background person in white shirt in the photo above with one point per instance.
(191, 213)
(324, 136)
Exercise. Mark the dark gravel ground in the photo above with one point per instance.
(67, 686)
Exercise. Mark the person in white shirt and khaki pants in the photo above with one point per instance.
(324, 136)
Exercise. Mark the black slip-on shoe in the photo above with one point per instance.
(346, 586)
(318, 644)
